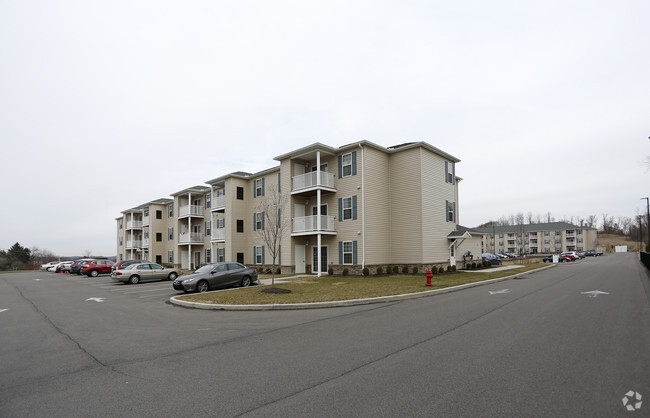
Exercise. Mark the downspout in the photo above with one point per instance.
(363, 210)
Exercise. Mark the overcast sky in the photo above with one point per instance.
(105, 105)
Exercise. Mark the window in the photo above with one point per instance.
(208, 256)
(159, 214)
(346, 162)
(347, 208)
(121, 222)
(158, 236)
(259, 188)
(121, 240)
(158, 258)
(240, 225)
(221, 223)
(579, 231)
(258, 252)
(347, 252)
(240, 193)
(258, 221)
(170, 234)
(121, 257)
(208, 201)
(170, 257)
(451, 211)
(240, 258)
(450, 172)
(170, 211)
(221, 255)
(208, 228)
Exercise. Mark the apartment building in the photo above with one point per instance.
(355, 206)
(139, 231)
(544, 238)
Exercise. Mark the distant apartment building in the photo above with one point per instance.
(543, 238)
(356, 206)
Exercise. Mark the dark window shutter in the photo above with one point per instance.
(254, 222)
(354, 163)
(354, 252)
(262, 186)
(454, 209)
(446, 171)
(340, 252)
(263, 262)
(263, 216)
(340, 209)
(354, 207)
(446, 210)
(453, 174)
(340, 166)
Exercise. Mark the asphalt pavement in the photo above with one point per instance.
(573, 340)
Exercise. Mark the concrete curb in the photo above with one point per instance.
(351, 302)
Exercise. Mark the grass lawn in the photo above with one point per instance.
(324, 289)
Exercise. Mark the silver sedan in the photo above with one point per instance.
(140, 272)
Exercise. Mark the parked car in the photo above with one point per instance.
(54, 267)
(511, 255)
(561, 258)
(491, 258)
(592, 253)
(570, 255)
(125, 263)
(48, 265)
(214, 276)
(94, 268)
(502, 255)
(75, 268)
(63, 266)
(140, 272)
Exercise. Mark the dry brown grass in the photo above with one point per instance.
(609, 241)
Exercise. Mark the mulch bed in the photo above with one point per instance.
(275, 290)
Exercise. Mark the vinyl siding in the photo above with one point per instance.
(377, 208)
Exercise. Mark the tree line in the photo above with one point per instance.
(18, 257)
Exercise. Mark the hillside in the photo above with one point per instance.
(609, 241)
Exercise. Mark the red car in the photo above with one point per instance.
(94, 268)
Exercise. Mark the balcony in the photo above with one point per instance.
(146, 242)
(570, 234)
(133, 244)
(314, 180)
(145, 221)
(219, 204)
(190, 238)
(308, 225)
(218, 235)
(190, 210)
(134, 225)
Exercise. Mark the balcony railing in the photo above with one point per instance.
(134, 225)
(310, 224)
(145, 221)
(146, 242)
(219, 203)
(190, 238)
(312, 180)
(135, 243)
(218, 234)
(190, 210)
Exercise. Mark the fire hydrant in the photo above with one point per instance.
(429, 276)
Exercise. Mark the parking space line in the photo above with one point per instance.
(147, 290)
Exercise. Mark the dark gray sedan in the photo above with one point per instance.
(215, 276)
(140, 272)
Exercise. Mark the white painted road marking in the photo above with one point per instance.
(95, 299)
(2, 310)
(498, 292)
(594, 293)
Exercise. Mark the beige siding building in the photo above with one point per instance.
(356, 206)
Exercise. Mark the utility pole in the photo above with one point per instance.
(647, 200)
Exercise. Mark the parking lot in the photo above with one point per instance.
(155, 291)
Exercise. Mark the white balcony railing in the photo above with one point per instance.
(313, 179)
(145, 221)
(190, 210)
(135, 243)
(310, 224)
(218, 234)
(146, 242)
(218, 203)
(190, 238)
(134, 225)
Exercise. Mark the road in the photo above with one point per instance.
(536, 346)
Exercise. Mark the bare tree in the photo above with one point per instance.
(275, 223)
(87, 253)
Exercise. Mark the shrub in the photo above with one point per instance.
(453, 268)
(330, 271)
(441, 270)
(473, 265)
(380, 270)
(415, 270)
(405, 270)
(448, 269)
(389, 270)
(278, 271)
(366, 271)
(395, 270)
(346, 272)
(489, 264)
